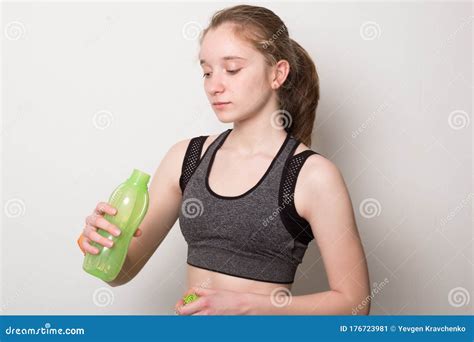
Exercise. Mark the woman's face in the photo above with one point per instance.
(234, 74)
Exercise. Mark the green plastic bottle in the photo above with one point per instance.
(131, 201)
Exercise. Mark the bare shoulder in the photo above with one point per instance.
(319, 180)
(171, 164)
(178, 150)
(317, 169)
(320, 176)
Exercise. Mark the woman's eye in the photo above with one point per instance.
(233, 72)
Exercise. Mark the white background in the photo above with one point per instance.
(91, 91)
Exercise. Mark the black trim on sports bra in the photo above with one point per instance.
(191, 160)
(296, 225)
(282, 147)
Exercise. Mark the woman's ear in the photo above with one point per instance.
(281, 71)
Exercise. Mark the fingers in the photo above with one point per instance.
(181, 301)
(98, 221)
(197, 306)
(190, 290)
(93, 223)
(104, 208)
(178, 305)
(194, 307)
(96, 237)
(88, 248)
(87, 230)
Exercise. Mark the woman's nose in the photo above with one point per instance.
(214, 85)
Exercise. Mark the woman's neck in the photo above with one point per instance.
(257, 134)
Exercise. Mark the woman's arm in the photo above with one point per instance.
(321, 197)
(321, 303)
(164, 206)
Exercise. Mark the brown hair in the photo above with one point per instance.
(299, 94)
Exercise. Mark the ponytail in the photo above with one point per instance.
(299, 94)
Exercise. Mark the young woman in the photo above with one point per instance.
(250, 199)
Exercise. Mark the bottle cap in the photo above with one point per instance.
(139, 178)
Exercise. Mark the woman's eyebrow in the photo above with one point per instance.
(226, 58)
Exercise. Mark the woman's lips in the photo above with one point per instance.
(220, 104)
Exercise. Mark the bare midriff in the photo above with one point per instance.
(208, 279)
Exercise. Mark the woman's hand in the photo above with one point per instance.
(95, 222)
(213, 302)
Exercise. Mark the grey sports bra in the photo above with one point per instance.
(257, 235)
